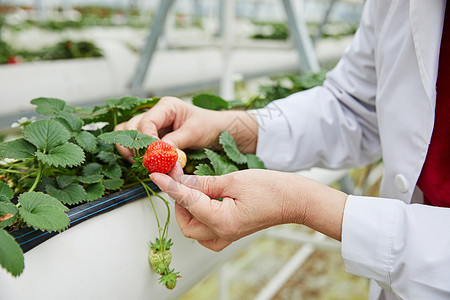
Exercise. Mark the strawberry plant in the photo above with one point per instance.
(68, 157)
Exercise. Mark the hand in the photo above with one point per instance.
(186, 126)
(252, 200)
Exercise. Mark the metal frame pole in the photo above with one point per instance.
(226, 80)
(303, 43)
(325, 18)
(150, 46)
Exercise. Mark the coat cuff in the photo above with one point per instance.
(367, 237)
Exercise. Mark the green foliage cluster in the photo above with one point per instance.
(283, 86)
(59, 163)
(90, 16)
(63, 50)
(271, 31)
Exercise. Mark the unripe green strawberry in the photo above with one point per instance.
(160, 157)
(170, 279)
(159, 260)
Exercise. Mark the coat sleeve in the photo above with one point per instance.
(334, 125)
(404, 247)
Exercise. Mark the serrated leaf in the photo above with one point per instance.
(210, 102)
(230, 169)
(107, 157)
(253, 162)
(49, 106)
(90, 179)
(46, 134)
(112, 184)
(17, 149)
(196, 155)
(71, 122)
(92, 169)
(87, 141)
(112, 171)
(6, 191)
(43, 212)
(94, 191)
(66, 155)
(127, 138)
(123, 103)
(203, 170)
(11, 255)
(221, 166)
(70, 194)
(230, 148)
(8, 214)
(64, 181)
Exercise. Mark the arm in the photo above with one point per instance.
(333, 126)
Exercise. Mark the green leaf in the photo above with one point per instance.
(107, 157)
(230, 148)
(221, 166)
(70, 194)
(127, 138)
(6, 191)
(9, 212)
(123, 103)
(196, 155)
(92, 169)
(71, 122)
(253, 162)
(17, 149)
(90, 179)
(43, 212)
(46, 134)
(49, 106)
(11, 255)
(203, 170)
(66, 155)
(87, 141)
(112, 171)
(94, 191)
(112, 184)
(210, 102)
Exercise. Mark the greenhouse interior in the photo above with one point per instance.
(62, 60)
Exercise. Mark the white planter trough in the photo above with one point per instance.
(104, 255)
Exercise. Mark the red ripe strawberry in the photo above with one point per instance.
(13, 60)
(160, 157)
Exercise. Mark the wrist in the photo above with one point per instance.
(243, 127)
(317, 206)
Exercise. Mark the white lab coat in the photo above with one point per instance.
(378, 102)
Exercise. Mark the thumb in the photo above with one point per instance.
(197, 203)
(182, 194)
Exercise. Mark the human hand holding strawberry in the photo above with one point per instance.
(252, 200)
(186, 126)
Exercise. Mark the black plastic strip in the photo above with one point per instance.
(28, 238)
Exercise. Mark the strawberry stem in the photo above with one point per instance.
(148, 190)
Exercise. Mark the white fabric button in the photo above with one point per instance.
(401, 183)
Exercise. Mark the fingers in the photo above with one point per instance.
(201, 206)
(176, 172)
(213, 186)
(192, 227)
(215, 244)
